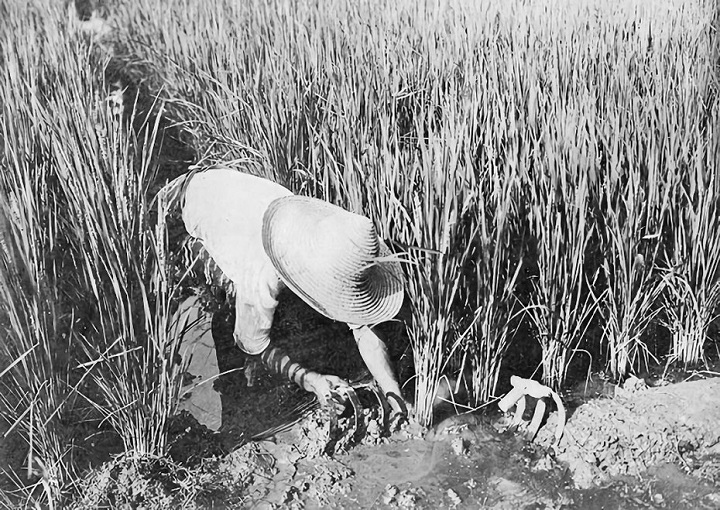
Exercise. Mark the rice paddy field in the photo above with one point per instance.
(546, 171)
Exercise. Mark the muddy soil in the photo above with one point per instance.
(633, 446)
(639, 428)
(656, 448)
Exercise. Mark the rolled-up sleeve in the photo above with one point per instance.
(254, 311)
(252, 327)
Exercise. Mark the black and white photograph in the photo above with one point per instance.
(359, 254)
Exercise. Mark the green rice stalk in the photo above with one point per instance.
(561, 305)
(632, 206)
(122, 251)
(37, 326)
(693, 292)
(331, 99)
(691, 150)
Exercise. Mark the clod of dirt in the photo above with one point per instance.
(321, 432)
(626, 435)
(278, 475)
(374, 432)
(396, 498)
(468, 428)
(453, 497)
(318, 433)
(258, 461)
(458, 446)
(125, 482)
(713, 500)
(631, 385)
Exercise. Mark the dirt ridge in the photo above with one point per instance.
(626, 434)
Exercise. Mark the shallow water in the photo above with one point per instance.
(504, 474)
(469, 466)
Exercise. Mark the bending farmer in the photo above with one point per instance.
(263, 237)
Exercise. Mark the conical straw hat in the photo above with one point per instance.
(332, 259)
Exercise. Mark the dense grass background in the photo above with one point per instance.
(546, 165)
(572, 141)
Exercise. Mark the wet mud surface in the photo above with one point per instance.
(626, 447)
(633, 446)
(474, 463)
(630, 447)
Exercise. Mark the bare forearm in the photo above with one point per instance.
(280, 363)
(374, 352)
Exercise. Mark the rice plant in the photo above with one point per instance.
(498, 265)
(692, 244)
(437, 230)
(629, 243)
(83, 256)
(37, 327)
(693, 291)
(632, 201)
(557, 188)
(333, 100)
(37, 382)
(561, 305)
(133, 348)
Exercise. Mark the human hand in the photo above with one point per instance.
(330, 390)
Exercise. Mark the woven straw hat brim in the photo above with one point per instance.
(333, 260)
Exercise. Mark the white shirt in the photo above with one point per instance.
(224, 209)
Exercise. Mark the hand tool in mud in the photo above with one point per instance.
(402, 413)
(523, 388)
(385, 408)
(383, 404)
(340, 397)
